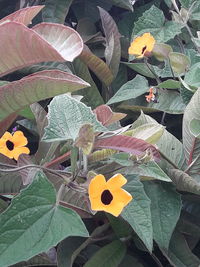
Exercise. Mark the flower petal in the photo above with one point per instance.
(96, 204)
(7, 136)
(115, 208)
(20, 150)
(142, 45)
(116, 181)
(19, 139)
(123, 196)
(6, 152)
(96, 186)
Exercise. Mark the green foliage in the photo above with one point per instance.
(138, 213)
(66, 116)
(165, 211)
(34, 213)
(56, 76)
(109, 255)
(153, 21)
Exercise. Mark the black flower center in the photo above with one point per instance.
(144, 48)
(9, 145)
(106, 197)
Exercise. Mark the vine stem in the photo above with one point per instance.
(152, 71)
(56, 172)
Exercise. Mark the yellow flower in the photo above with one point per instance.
(108, 195)
(142, 45)
(13, 145)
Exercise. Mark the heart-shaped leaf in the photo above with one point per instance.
(34, 213)
(66, 116)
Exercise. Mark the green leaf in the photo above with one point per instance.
(27, 113)
(151, 170)
(131, 89)
(65, 118)
(66, 249)
(91, 95)
(192, 76)
(34, 213)
(10, 183)
(169, 102)
(161, 51)
(153, 21)
(120, 226)
(138, 213)
(165, 211)
(184, 182)
(195, 127)
(109, 255)
(168, 144)
(180, 253)
(123, 3)
(191, 144)
(38, 260)
(149, 132)
(36, 87)
(55, 11)
(130, 261)
(179, 62)
(140, 68)
(3, 205)
(170, 84)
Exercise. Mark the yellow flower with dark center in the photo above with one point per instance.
(108, 195)
(12, 146)
(142, 45)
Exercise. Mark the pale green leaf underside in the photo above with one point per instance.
(66, 116)
(33, 223)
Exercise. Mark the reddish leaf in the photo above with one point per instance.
(21, 46)
(33, 88)
(113, 46)
(64, 39)
(106, 116)
(127, 144)
(24, 15)
(97, 65)
(5, 124)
